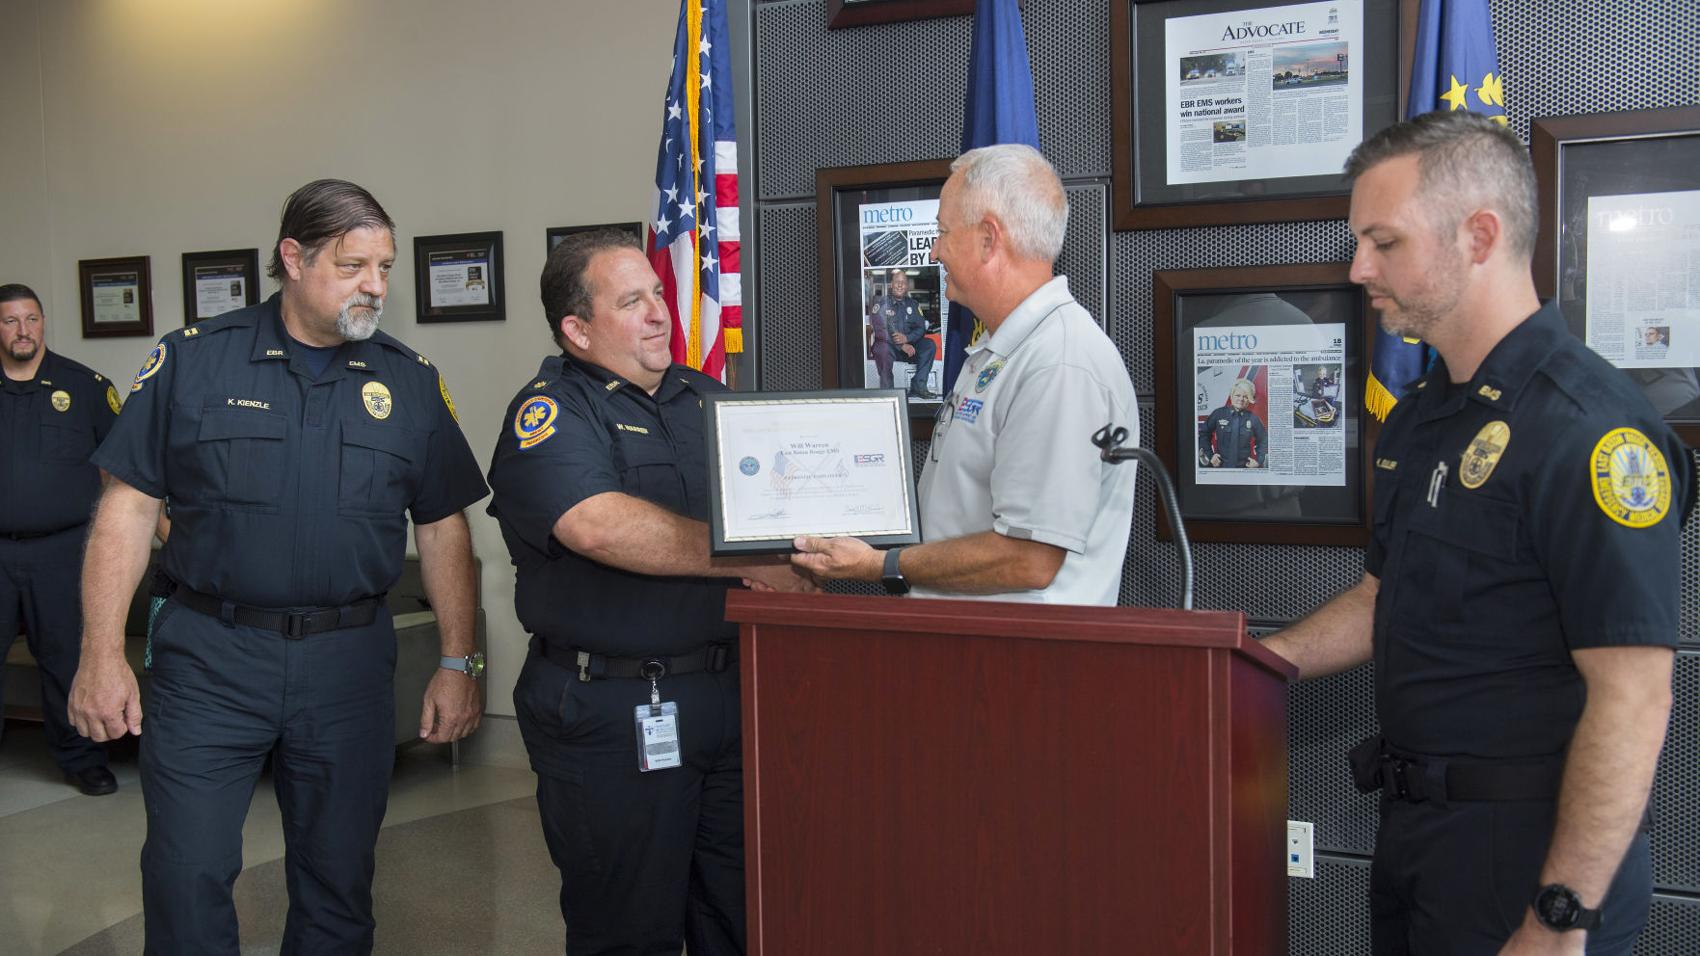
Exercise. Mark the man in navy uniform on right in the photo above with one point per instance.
(1521, 590)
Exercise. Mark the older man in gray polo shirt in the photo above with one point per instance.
(1015, 503)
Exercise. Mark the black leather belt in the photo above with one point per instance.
(32, 535)
(1414, 778)
(710, 657)
(291, 624)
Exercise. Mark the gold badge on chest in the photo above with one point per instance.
(61, 401)
(376, 395)
(1483, 453)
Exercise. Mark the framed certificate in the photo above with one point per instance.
(783, 464)
(1259, 418)
(218, 282)
(117, 296)
(1619, 245)
(1244, 111)
(459, 278)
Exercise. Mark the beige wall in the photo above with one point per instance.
(159, 127)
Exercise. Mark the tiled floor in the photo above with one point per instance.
(461, 863)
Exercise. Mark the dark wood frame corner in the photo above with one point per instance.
(248, 259)
(550, 234)
(86, 271)
(1127, 215)
(1166, 285)
(496, 311)
(828, 183)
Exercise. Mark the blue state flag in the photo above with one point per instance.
(999, 109)
(1455, 68)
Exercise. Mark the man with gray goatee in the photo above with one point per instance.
(293, 440)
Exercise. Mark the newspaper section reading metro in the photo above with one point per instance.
(1270, 405)
(1269, 89)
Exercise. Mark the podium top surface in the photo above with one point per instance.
(1165, 627)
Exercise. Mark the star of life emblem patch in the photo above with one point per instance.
(535, 421)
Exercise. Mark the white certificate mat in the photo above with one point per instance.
(818, 463)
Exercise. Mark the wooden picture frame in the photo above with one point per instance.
(458, 278)
(1299, 336)
(843, 196)
(1143, 195)
(1614, 190)
(117, 296)
(858, 13)
(554, 234)
(215, 282)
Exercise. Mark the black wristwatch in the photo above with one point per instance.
(1559, 908)
(893, 579)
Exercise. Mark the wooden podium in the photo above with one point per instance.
(969, 778)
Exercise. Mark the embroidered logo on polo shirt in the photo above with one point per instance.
(61, 401)
(986, 375)
(535, 421)
(112, 400)
(1631, 478)
(376, 396)
(969, 410)
(1482, 455)
(150, 368)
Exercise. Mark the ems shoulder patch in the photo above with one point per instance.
(150, 368)
(1631, 479)
(535, 421)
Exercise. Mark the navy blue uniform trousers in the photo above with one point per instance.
(39, 589)
(630, 844)
(1456, 880)
(224, 697)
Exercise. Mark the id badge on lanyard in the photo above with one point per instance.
(657, 732)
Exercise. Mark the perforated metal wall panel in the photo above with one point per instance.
(893, 93)
(1329, 915)
(1676, 790)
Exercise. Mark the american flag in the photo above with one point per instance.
(693, 237)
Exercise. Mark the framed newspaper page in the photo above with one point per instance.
(1244, 111)
(458, 278)
(1260, 412)
(783, 464)
(883, 306)
(1619, 245)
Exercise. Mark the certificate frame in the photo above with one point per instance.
(1141, 197)
(840, 194)
(240, 263)
(1248, 298)
(486, 249)
(135, 272)
(857, 13)
(883, 409)
(1582, 157)
(554, 234)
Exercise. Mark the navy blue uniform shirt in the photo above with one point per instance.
(577, 431)
(52, 424)
(289, 491)
(1530, 512)
(1235, 435)
(901, 314)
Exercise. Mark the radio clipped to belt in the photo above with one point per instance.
(657, 724)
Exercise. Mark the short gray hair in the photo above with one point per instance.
(1020, 187)
(1465, 162)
